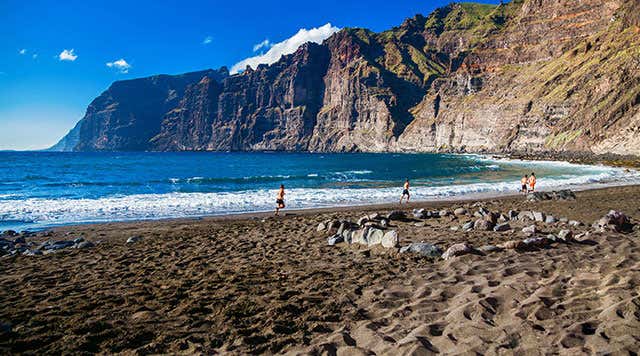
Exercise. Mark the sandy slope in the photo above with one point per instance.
(246, 284)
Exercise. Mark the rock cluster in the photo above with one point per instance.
(12, 243)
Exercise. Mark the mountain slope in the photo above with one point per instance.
(529, 75)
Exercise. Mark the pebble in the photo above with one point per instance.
(539, 216)
(390, 239)
(565, 235)
(321, 227)
(530, 230)
(468, 226)
(423, 249)
(457, 250)
(335, 239)
(85, 244)
(134, 239)
(550, 219)
(502, 227)
(396, 215)
(460, 211)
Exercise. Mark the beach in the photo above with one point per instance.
(255, 283)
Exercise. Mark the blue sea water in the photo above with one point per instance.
(42, 189)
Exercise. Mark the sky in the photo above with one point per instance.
(57, 56)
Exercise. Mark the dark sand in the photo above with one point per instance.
(247, 285)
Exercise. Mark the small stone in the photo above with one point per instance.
(525, 215)
(550, 219)
(502, 227)
(460, 211)
(396, 215)
(454, 228)
(538, 216)
(457, 250)
(85, 244)
(423, 249)
(490, 248)
(374, 216)
(530, 230)
(360, 236)
(78, 240)
(512, 245)
(32, 253)
(384, 223)
(420, 224)
(444, 212)
(321, 227)
(536, 242)
(503, 218)
(575, 223)
(390, 239)
(134, 239)
(468, 226)
(565, 235)
(512, 214)
(418, 214)
(335, 239)
(564, 220)
(482, 225)
(363, 220)
(374, 236)
(341, 228)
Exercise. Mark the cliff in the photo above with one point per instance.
(529, 75)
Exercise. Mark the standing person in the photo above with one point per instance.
(405, 192)
(280, 199)
(524, 181)
(532, 183)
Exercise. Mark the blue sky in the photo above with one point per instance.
(56, 56)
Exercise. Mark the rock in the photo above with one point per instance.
(374, 236)
(539, 196)
(363, 220)
(550, 219)
(433, 214)
(468, 226)
(332, 227)
(512, 214)
(390, 239)
(420, 224)
(482, 225)
(538, 216)
(478, 214)
(360, 236)
(58, 245)
(483, 211)
(335, 239)
(575, 223)
(530, 230)
(78, 240)
(502, 227)
(454, 228)
(457, 250)
(341, 228)
(396, 215)
(85, 244)
(32, 253)
(525, 215)
(563, 195)
(492, 217)
(503, 218)
(423, 249)
(490, 248)
(417, 213)
(564, 220)
(9, 233)
(565, 235)
(374, 216)
(19, 240)
(444, 212)
(384, 223)
(321, 227)
(512, 245)
(536, 242)
(614, 220)
(134, 239)
(460, 211)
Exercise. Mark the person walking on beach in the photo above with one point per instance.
(405, 192)
(532, 183)
(524, 181)
(280, 199)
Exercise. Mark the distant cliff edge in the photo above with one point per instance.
(528, 75)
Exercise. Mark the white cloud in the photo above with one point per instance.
(67, 55)
(207, 40)
(34, 56)
(121, 65)
(287, 46)
(23, 51)
(263, 44)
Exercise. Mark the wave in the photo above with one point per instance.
(47, 212)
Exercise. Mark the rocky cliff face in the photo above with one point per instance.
(529, 75)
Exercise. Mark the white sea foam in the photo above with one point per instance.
(45, 212)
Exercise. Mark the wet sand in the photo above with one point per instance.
(260, 284)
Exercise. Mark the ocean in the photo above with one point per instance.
(45, 189)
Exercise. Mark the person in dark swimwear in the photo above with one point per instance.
(405, 191)
(524, 181)
(280, 199)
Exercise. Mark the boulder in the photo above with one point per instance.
(565, 194)
(614, 220)
(390, 239)
(538, 216)
(363, 220)
(512, 245)
(502, 227)
(530, 230)
(384, 223)
(419, 213)
(423, 249)
(457, 250)
(563, 220)
(550, 219)
(468, 226)
(360, 236)
(482, 225)
(335, 239)
(374, 236)
(333, 226)
(460, 211)
(575, 223)
(134, 239)
(503, 218)
(396, 215)
(84, 244)
(444, 212)
(512, 214)
(321, 227)
(565, 235)
(525, 215)
(536, 242)
(78, 240)
(539, 196)
(490, 249)
(347, 235)
(374, 216)
(32, 253)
